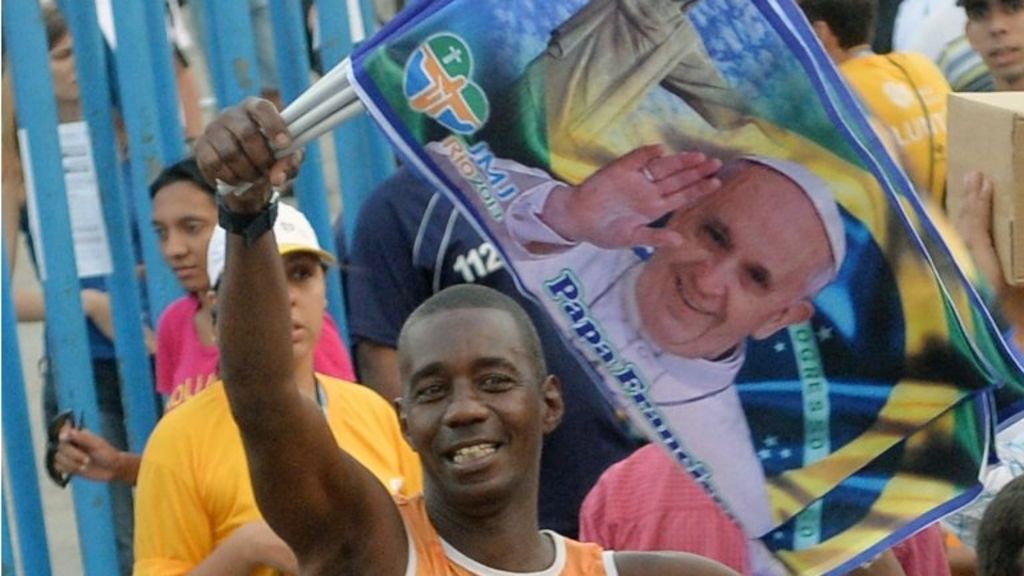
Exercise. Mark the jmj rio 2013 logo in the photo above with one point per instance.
(438, 82)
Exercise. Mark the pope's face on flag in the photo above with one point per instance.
(753, 254)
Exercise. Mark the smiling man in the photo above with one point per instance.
(995, 29)
(476, 404)
(743, 250)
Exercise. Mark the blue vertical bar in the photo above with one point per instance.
(378, 150)
(7, 564)
(167, 101)
(369, 15)
(67, 343)
(18, 452)
(293, 71)
(230, 23)
(364, 157)
(202, 12)
(133, 357)
(142, 123)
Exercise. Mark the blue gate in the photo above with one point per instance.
(143, 86)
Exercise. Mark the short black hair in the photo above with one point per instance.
(56, 26)
(1001, 533)
(980, 9)
(186, 170)
(474, 296)
(852, 21)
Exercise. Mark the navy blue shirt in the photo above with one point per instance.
(411, 242)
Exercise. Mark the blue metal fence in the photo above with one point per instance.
(7, 566)
(97, 108)
(67, 342)
(294, 78)
(21, 457)
(137, 87)
(145, 91)
(231, 49)
(363, 155)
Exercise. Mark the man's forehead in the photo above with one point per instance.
(465, 336)
(443, 329)
(969, 4)
(468, 316)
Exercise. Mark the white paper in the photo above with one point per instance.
(105, 18)
(30, 200)
(88, 230)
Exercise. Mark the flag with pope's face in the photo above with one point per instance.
(797, 334)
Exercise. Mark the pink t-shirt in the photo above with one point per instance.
(185, 366)
(924, 553)
(647, 502)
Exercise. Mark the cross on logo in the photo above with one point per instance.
(454, 55)
(438, 83)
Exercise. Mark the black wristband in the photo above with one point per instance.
(249, 226)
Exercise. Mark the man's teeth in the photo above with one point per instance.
(470, 453)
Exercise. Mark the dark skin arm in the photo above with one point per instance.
(330, 510)
(90, 456)
(962, 561)
(668, 564)
(885, 564)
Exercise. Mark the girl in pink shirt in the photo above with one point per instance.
(184, 217)
(185, 365)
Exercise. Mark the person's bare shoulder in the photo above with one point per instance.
(668, 564)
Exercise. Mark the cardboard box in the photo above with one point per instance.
(986, 133)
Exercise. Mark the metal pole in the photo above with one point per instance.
(202, 13)
(310, 188)
(18, 453)
(133, 358)
(167, 99)
(136, 86)
(7, 564)
(363, 154)
(234, 51)
(67, 343)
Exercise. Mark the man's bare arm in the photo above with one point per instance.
(886, 564)
(668, 564)
(249, 548)
(324, 504)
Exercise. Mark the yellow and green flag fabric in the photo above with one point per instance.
(866, 422)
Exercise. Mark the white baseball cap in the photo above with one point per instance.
(292, 231)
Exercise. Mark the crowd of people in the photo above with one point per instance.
(462, 436)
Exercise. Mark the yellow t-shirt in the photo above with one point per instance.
(194, 488)
(432, 556)
(907, 94)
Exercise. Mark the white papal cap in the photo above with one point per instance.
(292, 231)
(821, 196)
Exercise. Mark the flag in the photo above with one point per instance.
(819, 428)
